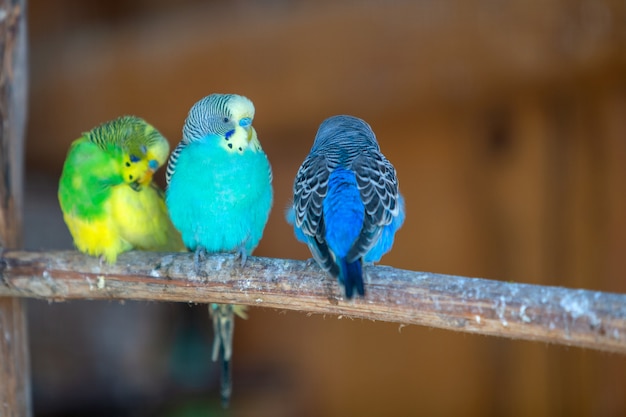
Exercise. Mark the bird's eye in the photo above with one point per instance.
(226, 120)
(134, 158)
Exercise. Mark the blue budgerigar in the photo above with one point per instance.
(219, 194)
(346, 203)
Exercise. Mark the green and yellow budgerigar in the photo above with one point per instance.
(106, 193)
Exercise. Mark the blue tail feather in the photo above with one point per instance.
(343, 220)
(351, 276)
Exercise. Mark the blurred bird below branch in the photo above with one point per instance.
(574, 317)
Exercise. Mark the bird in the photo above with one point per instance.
(346, 202)
(219, 196)
(108, 199)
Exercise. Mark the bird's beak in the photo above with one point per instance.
(246, 123)
(153, 165)
(145, 180)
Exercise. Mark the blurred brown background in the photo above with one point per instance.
(506, 122)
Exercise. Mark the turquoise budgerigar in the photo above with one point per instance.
(346, 203)
(219, 195)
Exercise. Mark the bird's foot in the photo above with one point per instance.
(242, 254)
(240, 311)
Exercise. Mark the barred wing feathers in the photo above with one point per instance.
(378, 186)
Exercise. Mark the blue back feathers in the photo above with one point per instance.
(343, 211)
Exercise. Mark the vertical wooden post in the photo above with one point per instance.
(14, 360)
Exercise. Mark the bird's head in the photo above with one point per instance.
(223, 119)
(144, 152)
(135, 145)
(344, 129)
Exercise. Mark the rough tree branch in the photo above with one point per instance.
(575, 317)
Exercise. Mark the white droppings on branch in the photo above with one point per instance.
(577, 305)
(100, 282)
(500, 307)
(523, 315)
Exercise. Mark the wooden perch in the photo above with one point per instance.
(575, 317)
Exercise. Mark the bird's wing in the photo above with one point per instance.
(171, 163)
(310, 189)
(378, 185)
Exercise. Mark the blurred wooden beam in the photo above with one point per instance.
(574, 317)
(371, 59)
(14, 360)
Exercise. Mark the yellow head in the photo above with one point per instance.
(141, 147)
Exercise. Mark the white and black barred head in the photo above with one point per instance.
(218, 114)
(223, 119)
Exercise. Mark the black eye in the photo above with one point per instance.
(134, 158)
(226, 120)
